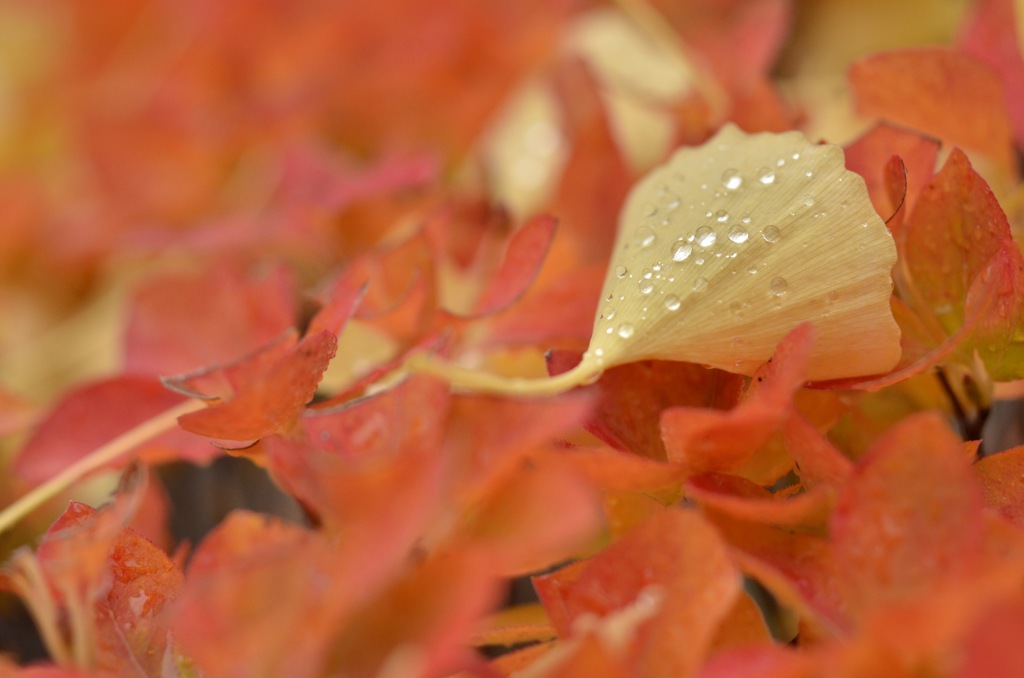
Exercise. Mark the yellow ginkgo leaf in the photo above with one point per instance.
(725, 249)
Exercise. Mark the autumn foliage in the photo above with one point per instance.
(289, 234)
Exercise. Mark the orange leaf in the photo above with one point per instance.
(181, 322)
(524, 255)
(632, 397)
(265, 597)
(744, 500)
(272, 397)
(709, 440)
(93, 414)
(870, 155)
(911, 87)
(419, 625)
(909, 520)
(555, 507)
(1000, 475)
(678, 564)
(371, 471)
(990, 34)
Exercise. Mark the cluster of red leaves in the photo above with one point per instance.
(707, 519)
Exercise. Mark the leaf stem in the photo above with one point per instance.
(101, 456)
(468, 379)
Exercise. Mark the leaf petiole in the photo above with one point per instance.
(468, 379)
(101, 456)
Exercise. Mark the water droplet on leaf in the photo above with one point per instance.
(706, 236)
(644, 236)
(770, 234)
(738, 234)
(732, 179)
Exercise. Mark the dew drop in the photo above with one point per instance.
(745, 218)
(700, 284)
(770, 234)
(778, 286)
(706, 236)
(808, 199)
(738, 234)
(644, 236)
(766, 176)
(650, 209)
(752, 270)
(681, 250)
(625, 330)
(621, 271)
(732, 179)
(646, 287)
(672, 302)
(721, 216)
(646, 274)
(608, 313)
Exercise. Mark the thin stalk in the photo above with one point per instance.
(468, 379)
(101, 456)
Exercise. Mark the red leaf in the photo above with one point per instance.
(989, 647)
(962, 261)
(490, 438)
(265, 597)
(709, 440)
(711, 27)
(180, 322)
(954, 232)
(401, 297)
(870, 155)
(1002, 482)
(799, 569)
(616, 470)
(526, 252)
(744, 500)
(911, 87)
(338, 308)
(372, 471)
(595, 178)
(132, 620)
(89, 416)
(818, 462)
(272, 398)
(990, 34)
(631, 398)
(675, 567)
(909, 520)
(556, 311)
(555, 507)
(122, 581)
(429, 613)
